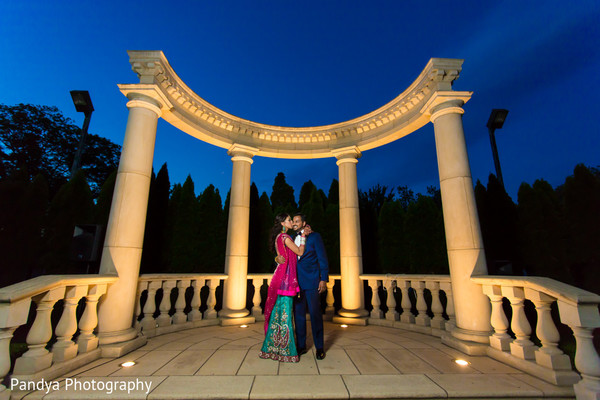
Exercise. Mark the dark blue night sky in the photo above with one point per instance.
(319, 62)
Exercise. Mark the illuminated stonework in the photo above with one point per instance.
(189, 112)
(162, 94)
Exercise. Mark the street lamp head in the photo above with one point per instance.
(497, 118)
(82, 101)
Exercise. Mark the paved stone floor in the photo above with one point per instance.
(362, 362)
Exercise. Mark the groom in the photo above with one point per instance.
(313, 275)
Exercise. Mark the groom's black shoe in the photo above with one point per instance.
(301, 350)
(320, 354)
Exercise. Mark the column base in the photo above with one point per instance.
(466, 346)
(229, 313)
(30, 365)
(358, 313)
(472, 336)
(501, 343)
(63, 351)
(587, 389)
(553, 361)
(119, 349)
(85, 344)
(117, 336)
(350, 321)
(237, 321)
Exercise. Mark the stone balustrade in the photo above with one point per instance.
(577, 308)
(415, 312)
(43, 293)
(183, 313)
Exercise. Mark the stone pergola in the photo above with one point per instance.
(161, 93)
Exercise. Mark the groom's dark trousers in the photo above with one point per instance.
(313, 267)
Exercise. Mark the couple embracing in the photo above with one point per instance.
(299, 279)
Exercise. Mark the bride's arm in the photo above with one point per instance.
(299, 250)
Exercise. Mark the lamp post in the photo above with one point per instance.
(83, 103)
(496, 121)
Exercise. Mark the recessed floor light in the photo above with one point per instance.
(344, 325)
(243, 326)
(128, 364)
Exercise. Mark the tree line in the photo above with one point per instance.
(550, 232)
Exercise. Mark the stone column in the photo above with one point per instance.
(236, 255)
(125, 231)
(353, 302)
(466, 255)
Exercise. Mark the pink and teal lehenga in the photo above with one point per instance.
(280, 343)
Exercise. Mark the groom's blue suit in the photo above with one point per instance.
(313, 267)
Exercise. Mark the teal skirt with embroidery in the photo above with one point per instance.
(280, 343)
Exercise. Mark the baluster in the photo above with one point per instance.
(376, 312)
(438, 321)
(179, 317)
(148, 322)
(549, 355)
(138, 304)
(329, 300)
(447, 288)
(37, 357)
(164, 319)
(406, 316)
(65, 348)
(212, 299)
(392, 314)
(6, 335)
(256, 309)
(500, 339)
(86, 340)
(521, 347)
(12, 315)
(422, 318)
(583, 319)
(195, 314)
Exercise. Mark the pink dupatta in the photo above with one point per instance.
(285, 278)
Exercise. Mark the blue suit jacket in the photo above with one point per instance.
(313, 265)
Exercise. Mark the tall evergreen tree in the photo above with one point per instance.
(72, 205)
(541, 231)
(425, 237)
(305, 192)
(333, 196)
(265, 220)
(254, 243)
(104, 200)
(22, 212)
(314, 211)
(393, 249)
(282, 197)
(211, 225)
(406, 196)
(582, 207)
(498, 221)
(156, 223)
(184, 231)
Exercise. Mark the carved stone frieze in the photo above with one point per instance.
(195, 116)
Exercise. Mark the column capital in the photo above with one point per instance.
(239, 152)
(146, 96)
(445, 102)
(347, 154)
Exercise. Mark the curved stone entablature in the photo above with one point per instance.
(187, 111)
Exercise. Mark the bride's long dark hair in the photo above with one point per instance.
(276, 230)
